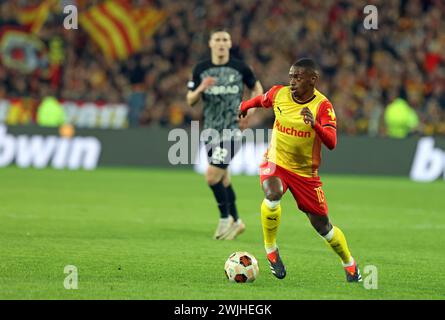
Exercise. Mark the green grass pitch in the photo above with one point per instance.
(147, 234)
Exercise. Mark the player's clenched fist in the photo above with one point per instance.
(242, 111)
(308, 116)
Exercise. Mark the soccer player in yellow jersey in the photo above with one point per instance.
(304, 120)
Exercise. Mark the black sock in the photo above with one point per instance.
(221, 198)
(231, 202)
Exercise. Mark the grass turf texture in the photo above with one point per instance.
(147, 234)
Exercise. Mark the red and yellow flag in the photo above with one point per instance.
(34, 17)
(148, 20)
(119, 29)
(111, 26)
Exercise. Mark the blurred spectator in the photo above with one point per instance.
(50, 113)
(400, 119)
(360, 68)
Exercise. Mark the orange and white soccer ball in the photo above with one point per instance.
(241, 267)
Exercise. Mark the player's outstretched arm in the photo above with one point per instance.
(260, 101)
(249, 104)
(256, 91)
(245, 119)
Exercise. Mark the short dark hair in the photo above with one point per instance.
(308, 64)
(215, 30)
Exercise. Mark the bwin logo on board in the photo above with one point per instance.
(50, 151)
(429, 162)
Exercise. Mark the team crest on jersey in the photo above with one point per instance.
(331, 113)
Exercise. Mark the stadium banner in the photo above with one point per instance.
(421, 159)
(45, 148)
(23, 111)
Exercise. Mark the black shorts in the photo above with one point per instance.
(220, 155)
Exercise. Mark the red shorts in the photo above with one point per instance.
(307, 192)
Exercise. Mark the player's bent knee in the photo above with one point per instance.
(226, 181)
(272, 195)
(214, 175)
(273, 189)
(213, 180)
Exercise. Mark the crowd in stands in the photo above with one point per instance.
(363, 71)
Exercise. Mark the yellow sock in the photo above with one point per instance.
(337, 241)
(270, 220)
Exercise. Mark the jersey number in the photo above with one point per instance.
(320, 195)
(219, 155)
